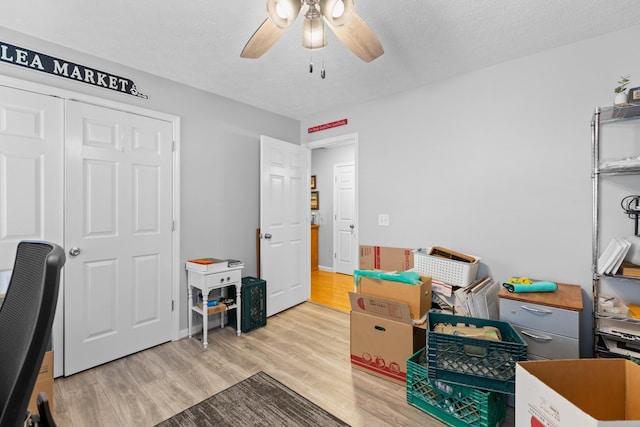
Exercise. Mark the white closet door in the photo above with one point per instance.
(31, 182)
(119, 222)
(31, 170)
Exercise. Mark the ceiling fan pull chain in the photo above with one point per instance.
(322, 72)
(311, 63)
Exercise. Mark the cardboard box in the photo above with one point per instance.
(417, 297)
(580, 392)
(386, 259)
(44, 382)
(376, 306)
(381, 346)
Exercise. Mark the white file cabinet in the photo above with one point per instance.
(549, 322)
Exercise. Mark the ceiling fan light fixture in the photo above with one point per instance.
(337, 12)
(280, 11)
(283, 12)
(314, 35)
(339, 15)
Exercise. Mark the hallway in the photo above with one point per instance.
(331, 289)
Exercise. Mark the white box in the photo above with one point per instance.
(578, 392)
(456, 273)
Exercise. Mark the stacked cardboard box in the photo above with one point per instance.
(44, 383)
(385, 258)
(383, 335)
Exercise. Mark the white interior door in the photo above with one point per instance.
(119, 221)
(31, 170)
(31, 181)
(345, 220)
(284, 223)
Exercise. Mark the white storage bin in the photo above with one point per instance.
(457, 273)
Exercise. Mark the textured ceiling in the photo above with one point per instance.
(198, 42)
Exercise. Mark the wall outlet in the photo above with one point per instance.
(383, 220)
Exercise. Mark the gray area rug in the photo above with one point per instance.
(257, 401)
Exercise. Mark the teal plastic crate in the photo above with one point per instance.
(474, 362)
(453, 404)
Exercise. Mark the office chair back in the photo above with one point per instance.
(26, 318)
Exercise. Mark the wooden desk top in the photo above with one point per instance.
(568, 297)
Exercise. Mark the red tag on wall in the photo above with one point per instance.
(327, 126)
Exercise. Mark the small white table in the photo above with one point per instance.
(206, 282)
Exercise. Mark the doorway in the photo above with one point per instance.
(334, 164)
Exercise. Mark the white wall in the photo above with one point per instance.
(219, 153)
(495, 163)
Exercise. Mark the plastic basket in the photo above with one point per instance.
(457, 273)
(479, 363)
(455, 405)
(254, 304)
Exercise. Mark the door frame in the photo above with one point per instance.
(58, 325)
(333, 142)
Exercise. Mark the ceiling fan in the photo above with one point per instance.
(339, 15)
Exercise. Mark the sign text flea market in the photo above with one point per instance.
(48, 64)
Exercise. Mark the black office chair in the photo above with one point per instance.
(45, 418)
(26, 318)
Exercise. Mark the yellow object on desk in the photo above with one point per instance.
(520, 280)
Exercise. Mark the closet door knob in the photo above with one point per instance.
(74, 251)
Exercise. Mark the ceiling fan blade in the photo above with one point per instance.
(358, 38)
(261, 41)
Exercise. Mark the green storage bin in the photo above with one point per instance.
(254, 305)
(453, 404)
(485, 364)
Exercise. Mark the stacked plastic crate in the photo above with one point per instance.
(463, 380)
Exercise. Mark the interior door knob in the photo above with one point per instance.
(352, 226)
(267, 236)
(74, 251)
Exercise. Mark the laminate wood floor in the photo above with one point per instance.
(331, 289)
(305, 348)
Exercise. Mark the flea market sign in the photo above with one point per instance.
(59, 67)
